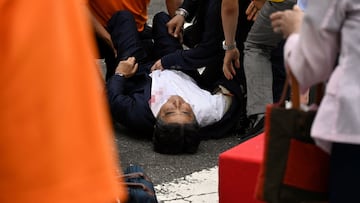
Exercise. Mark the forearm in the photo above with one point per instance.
(191, 7)
(229, 16)
(98, 27)
(172, 5)
(312, 56)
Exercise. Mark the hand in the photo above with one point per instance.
(175, 26)
(230, 57)
(259, 3)
(157, 66)
(127, 67)
(288, 21)
(252, 11)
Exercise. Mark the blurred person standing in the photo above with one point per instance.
(325, 48)
(260, 42)
(55, 132)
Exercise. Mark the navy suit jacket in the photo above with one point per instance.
(208, 52)
(129, 104)
(128, 98)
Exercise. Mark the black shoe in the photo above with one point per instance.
(242, 126)
(256, 126)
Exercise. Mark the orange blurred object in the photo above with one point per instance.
(105, 9)
(56, 139)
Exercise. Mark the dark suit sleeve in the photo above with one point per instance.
(119, 101)
(190, 6)
(130, 109)
(208, 51)
(227, 125)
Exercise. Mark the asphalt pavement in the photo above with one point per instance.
(162, 168)
(177, 178)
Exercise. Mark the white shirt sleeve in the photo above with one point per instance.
(311, 54)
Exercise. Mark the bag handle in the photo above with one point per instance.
(295, 92)
(136, 175)
(140, 186)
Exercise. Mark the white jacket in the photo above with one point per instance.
(330, 28)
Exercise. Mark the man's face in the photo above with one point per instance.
(176, 110)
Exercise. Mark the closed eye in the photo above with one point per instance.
(173, 112)
(169, 113)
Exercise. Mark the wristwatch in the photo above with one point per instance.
(182, 12)
(228, 47)
(120, 74)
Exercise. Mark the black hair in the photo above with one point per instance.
(175, 138)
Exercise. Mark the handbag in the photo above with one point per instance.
(139, 185)
(294, 169)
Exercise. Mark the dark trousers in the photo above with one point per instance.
(127, 41)
(278, 71)
(344, 173)
(164, 43)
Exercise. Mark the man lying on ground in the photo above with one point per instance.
(172, 101)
